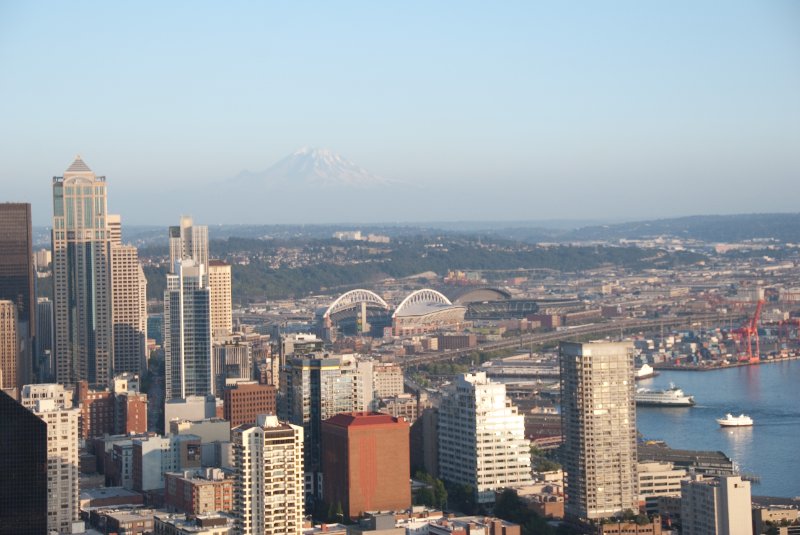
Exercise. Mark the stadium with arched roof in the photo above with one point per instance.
(355, 312)
(424, 311)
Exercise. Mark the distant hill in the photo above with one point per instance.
(712, 228)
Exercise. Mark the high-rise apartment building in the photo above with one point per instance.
(219, 283)
(44, 340)
(188, 241)
(129, 323)
(482, 437)
(53, 404)
(16, 282)
(598, 418)
(187, 332)
(9, 348)
(313, 389)
(23, 465)
(268, 490)
(716, 506)
(81, 277)
(365, 463)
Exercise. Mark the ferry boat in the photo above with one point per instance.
(735, 421)
(672, 397)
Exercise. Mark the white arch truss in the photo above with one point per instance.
(354, 297)
(426, 295)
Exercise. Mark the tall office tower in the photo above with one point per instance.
(268, 489)
(598, 418)
(9, 348)
(482, 437)
(219, 282)
(16, 281)
(245, 401)
(81, 277)
(313, 389)
(23, 465)
(53, 404)
(130, 328)
(716, 506)
(366, 463)
(188, 241)
(44, 340)
(187, 332)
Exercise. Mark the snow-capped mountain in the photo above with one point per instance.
(314, 167)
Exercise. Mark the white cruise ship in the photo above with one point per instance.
(672, 397)
(735, 421)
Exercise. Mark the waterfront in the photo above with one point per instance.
(769, 393)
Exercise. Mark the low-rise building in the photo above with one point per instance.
(198, 492)
(177, 524)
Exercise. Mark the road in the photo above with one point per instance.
(612, 327)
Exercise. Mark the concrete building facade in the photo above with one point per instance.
(598, 419)
(53, 404)
(129, 325)
(219, 282)
(269, 488)
(482, 437)
(713, 506)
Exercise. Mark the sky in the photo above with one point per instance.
(483, 110)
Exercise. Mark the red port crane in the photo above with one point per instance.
(749, 333)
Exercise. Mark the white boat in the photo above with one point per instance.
(645, 372)
(735, 421)
(672, 397)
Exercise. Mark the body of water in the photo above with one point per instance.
(769, 393)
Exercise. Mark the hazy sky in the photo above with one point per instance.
(490, 110)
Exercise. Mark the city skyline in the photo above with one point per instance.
(692, 103)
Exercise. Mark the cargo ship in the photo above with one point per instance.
(672, 397)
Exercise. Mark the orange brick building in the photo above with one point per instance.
(243, 402)
(365, 463)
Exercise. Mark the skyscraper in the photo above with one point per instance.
(129, 322)
(313, 389)
(187, 332)
(53, 404)
(44, 340)
(16, 280)
(81, 277)
(598, 418)
(268, 490)
(23, 465)
(219, 282)
(482, 437)
(188, 241)
(9, 348)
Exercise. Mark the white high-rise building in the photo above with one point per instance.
(219, 282)
(53, 404)
(81, 277)
(129, 323)
(268, 494)
(188, 241)
(9, 347)
(482, 437)
(187, 332)
(598, 419)
(716, 506)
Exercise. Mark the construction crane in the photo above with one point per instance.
(749, 333)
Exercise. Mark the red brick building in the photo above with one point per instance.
(365, 463)
(198, 493)
(243, 402)
(104, 412)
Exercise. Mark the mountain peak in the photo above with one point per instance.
(316, 167)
